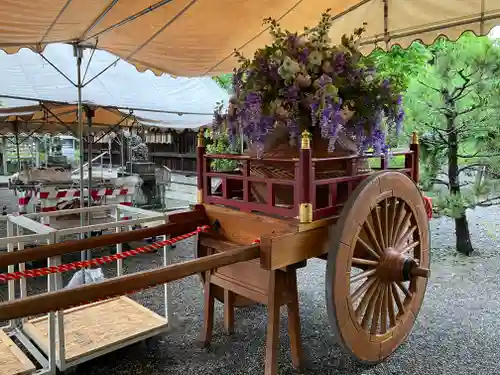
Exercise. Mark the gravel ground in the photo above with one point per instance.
(456, 332)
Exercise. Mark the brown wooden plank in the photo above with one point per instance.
(66, 298)
(244, 227)
(179, 223)
(285, 250)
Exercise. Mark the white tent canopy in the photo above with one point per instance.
(27, 75)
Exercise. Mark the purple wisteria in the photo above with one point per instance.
(303, 82)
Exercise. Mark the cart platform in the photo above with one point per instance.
(12, 360)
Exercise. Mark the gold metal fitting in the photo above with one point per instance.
(305, 140)
(199, 196)
(414, 138)
(305, 213)
(201, 139)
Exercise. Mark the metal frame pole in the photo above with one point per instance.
(122, 153)
(78, 52)
(90, 141)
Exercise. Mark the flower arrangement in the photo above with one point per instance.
(302, 82)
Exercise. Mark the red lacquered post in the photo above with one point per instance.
(200, 152)
(411, 160)
(415, 147)
(304, 179)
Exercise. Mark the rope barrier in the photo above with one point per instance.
(204, 228)
(97, 261)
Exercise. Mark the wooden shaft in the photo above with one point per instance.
(180, 224)
(67, 298)
(420, 272)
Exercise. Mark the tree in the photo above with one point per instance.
(224, 81)
(401, 65)
(453, 103)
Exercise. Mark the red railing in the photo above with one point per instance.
(302, 185)
(235, 189)
(330, 194)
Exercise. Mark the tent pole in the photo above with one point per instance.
(122, 153)
(18, 153)
(110, 169)
(37, 152)
(90, 141)
(4, 159)
(79, 54)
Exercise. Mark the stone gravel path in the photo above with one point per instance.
(457, 330)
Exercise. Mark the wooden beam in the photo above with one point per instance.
(67, 298)
(179, 223)
(288, 249)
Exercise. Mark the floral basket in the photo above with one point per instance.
(304, 82)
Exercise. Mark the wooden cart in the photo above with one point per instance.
(371, 228)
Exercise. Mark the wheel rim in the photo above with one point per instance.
(378, 268)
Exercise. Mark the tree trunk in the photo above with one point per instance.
(463, 244)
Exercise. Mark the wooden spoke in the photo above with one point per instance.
(390, 306)
(399, 221)
(397, 298)
(378, 310)
(392, 218)
(373, 238)
(385, 229)
(369, 248)
(366, 299)
(405, 237)
(409, 247)
(378, 226)
(365, 262)
(404, 289)
(399, 232)
(362, 275)
(385, 310)
(362, 288)
(371, 307)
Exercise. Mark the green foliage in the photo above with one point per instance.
(224, 81)
(401, 65)
(453, 103)
(220, 144)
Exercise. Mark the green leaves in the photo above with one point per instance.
(453, 102)
(220, 144)
(224, 81)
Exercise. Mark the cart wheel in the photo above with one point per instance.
(239, 301)
(377, 267)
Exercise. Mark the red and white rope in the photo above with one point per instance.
(97, 261)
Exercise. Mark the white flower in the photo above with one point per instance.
(291, 65)
(315, 58)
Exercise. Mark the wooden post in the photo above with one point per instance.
(273, 325)
(412, 161)
(304, 179)
(208, 310)
(229, 298)
(294, 318)
(200, 152)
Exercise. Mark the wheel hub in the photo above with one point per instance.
(397, 267)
